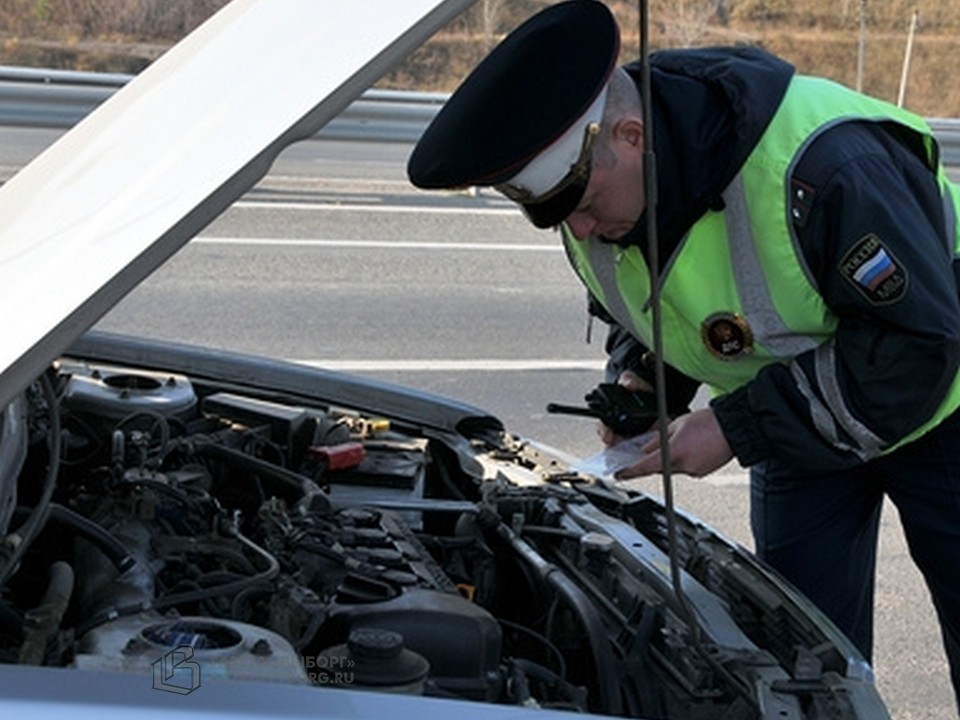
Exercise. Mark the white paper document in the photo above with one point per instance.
(607, 462)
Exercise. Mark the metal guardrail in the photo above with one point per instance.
(947, 132)
(60, 98)
(41, 98)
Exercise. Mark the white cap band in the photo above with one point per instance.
(551, 166)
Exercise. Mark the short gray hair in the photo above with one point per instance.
(623, 99)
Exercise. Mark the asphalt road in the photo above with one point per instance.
(334, 259)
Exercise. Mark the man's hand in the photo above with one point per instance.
(697, 448)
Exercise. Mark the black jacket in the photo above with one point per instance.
(895, 360)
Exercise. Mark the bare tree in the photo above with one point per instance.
(685, 22)
(490, 12)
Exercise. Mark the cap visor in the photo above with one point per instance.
(557, 208)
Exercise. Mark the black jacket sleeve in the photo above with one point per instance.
(870, 226)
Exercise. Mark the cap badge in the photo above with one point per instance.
(579, 171)
(727, 335)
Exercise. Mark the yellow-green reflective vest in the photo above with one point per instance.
(735, 295)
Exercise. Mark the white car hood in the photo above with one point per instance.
(110, 201)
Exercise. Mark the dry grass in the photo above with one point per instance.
(818, 36)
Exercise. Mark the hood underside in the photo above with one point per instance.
(109, 202)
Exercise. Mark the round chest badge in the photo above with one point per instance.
(727, 336)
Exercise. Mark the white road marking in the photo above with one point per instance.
(478, 365)
(373, 207)
(386, 244)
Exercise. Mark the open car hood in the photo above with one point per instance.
(109, 202)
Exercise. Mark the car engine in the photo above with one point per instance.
(263, 537)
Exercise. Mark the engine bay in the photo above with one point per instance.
(146, 514)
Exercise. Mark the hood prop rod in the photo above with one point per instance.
(663, 419)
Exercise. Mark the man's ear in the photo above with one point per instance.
(629, 130)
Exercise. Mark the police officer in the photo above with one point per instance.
(809, 241)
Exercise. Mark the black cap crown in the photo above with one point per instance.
(524, 96)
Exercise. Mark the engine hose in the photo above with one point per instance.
(43, 621)
(98, 535)
(295, 482)
(574, 695)
(187, 596)
(32, 526)
(227, 588)
(554, 651)
(606, 664)
(519, 687)
(101, 538)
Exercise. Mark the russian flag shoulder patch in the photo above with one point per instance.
(874, 271)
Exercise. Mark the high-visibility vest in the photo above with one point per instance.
(735, 295)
